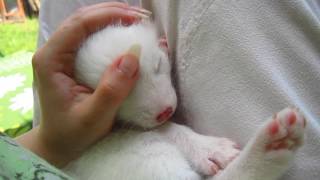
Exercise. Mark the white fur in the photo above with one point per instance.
(171, 151)
(154, 84)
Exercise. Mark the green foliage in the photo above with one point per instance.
(18, 36)
(23, 128)
(16, 102)
(16, 39)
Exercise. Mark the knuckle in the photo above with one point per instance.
(111, 93)
(77, 16)
(80, 11)
(109, 89)
(37, 59)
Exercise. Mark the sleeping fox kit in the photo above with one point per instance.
(163, 150)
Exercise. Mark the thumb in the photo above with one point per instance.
(117, 81)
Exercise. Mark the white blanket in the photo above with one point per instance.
(237, 62)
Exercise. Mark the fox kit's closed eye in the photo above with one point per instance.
(171, 151)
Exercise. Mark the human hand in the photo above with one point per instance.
(73, 117)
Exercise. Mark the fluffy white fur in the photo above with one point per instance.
(170, 151)
(154, 84)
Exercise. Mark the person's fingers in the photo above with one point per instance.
(117, 4)
(76, 28)
(141, 11)
(105, 4)
(117, 81)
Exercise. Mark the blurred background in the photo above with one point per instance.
(18, 39)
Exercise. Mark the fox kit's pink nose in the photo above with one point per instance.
(163, 116)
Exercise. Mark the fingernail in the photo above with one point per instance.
(135, 50)
(129, 65)
(141, 15)
(141, 10)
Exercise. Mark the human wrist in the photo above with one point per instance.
(36, 143)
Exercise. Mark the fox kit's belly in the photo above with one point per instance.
(134, 155)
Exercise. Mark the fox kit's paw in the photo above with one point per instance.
(285, 131)
(269, 153)
(211, 154)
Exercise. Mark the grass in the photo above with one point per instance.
(18, 36)
(16, 39)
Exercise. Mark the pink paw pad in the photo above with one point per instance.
(291, 118)
(286, 130)
(273, 127)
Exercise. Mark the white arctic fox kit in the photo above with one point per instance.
(168, 151)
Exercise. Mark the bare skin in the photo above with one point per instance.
(73, 116)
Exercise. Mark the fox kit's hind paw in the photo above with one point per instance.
(286, 130)
(269, 153)
(212, 154)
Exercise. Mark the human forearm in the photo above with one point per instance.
(33, 142)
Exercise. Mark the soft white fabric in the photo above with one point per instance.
(236, 63)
